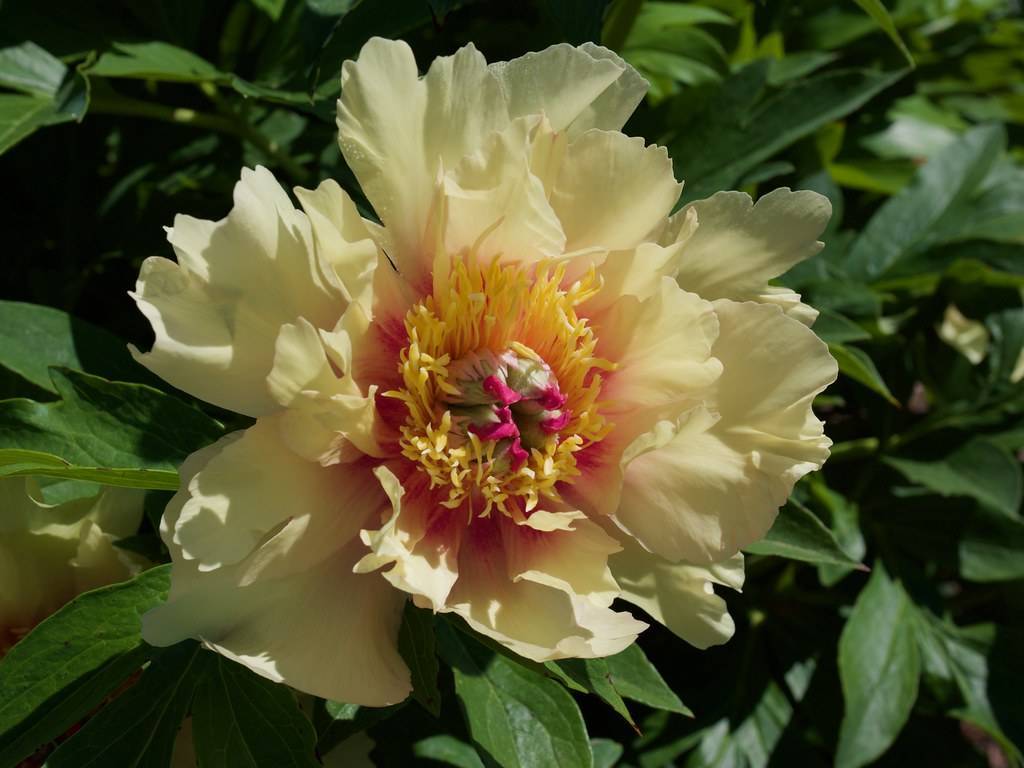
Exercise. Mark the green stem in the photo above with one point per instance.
(222, 123)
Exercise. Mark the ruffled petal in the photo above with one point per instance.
(250, 486)
(344, 242)
(263, 545)
(312, 376)
(539, 618)
(662, 347)
(578, 88)
(397, 131)
(495, 206)
(679, 595)
(51, 553)
(612, 191)
(216, 313)
(420, 542)
(739, 246)
(322, 629)
(709, 483)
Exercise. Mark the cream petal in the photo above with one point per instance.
(639, 271)
(968, 337)
(495, 206)
(739, 246)
(536, 620)
(578, 88)
(710, 483)
(573, 559)
(420, 541)
(312, 378)
(344, 242)
(662, 348)
(321, 629)
(216, 313)
(612, 191)
(398, 130)
(679, 595)
(51, 553)
(249, 486)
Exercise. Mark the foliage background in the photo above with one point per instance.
(114, 116)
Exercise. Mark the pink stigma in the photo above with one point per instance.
(502, 391)
(555, 423)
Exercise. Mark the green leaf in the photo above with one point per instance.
(156, 60)
(140, 726)
(907, 222)
(519, 718)
(16, 463)
(50, 93)
(989, 547)
(977, 469)
(341, 720)
(448, 750)
(834, 328)
(881, 17)
(31, 69)
(606, 752)
(34, 337)
(799, 535)
(721, 140)
(67, 707)
(856, 364)
(879, 667)
(417, 644)
(635, 677)
(971, 658)
(81, 637)
(122, 434)
(241, 719)
(593, 676)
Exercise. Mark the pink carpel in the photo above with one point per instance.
(500, 390)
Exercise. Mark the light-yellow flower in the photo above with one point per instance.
(49, 553)
(526, 392)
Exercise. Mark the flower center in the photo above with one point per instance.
(501, 385)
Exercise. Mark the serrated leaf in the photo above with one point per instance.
(34, 337)
(857, 365)
(140, 726)
(242, 720)
(108, 432)
(519, 718)
(977, 469)
(78, 639)
(417, 644)
(879, 666)
(799, 535)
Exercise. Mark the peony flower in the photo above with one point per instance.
(968, 337)
(49, 553)
(526, 392)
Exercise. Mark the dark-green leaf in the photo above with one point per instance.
(115, 433)
(879, 666)
(519, 718)
(799, 535)
(81, 637)
(140, 726)
(241, 720)
(33, 338)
